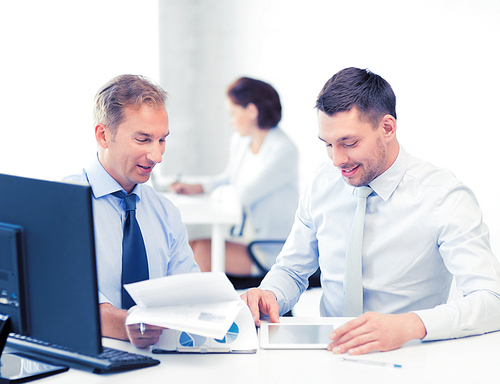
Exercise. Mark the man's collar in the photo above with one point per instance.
(385, 184)
(102, 182)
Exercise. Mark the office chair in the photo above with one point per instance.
(253, 250)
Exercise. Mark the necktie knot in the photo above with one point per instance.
(129, 200)
(364, 191)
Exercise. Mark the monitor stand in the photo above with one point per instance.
(15, 368)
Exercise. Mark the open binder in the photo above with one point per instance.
(241, 337)
(202, 312)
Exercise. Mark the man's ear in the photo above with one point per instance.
(389, 125)
(102, 135)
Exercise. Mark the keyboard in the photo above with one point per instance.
(110, 360)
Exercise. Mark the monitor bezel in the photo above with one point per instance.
(60, 264)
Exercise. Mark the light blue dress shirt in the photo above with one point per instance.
(164, 234)
(422, 227)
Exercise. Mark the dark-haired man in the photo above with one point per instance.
(422, 227)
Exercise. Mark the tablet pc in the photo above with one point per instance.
(295, 336)
(19, 369)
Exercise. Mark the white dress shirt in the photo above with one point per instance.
(164, 234)
(422, 227)
(268, 193)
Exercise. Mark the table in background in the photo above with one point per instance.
(207, 209)
(467, 360)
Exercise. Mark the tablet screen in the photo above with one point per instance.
(295, 336)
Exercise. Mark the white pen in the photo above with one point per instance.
(379, 363)
(142, 328)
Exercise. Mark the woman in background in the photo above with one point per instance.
(263, 172)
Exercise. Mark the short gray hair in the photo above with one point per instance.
(125, 91)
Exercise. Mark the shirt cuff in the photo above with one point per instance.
(437, 322)
(103, 299)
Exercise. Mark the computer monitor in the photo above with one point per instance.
(48, 279)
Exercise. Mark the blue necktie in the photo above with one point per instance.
(353, 282)
(134, 258)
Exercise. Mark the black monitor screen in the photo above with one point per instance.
(55, 226)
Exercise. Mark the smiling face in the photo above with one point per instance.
(136, 147)
(361, 151)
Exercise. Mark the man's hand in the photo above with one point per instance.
(142, 338)
(113, 325)
(376, 332)
(261, 303)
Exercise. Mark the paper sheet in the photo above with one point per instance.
(202, 303)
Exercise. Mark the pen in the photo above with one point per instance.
(142, 328)
(381, 364)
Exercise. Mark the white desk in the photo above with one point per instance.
(212, 210)
(469, 360)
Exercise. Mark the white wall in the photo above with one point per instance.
(441, 57)
(54, 56)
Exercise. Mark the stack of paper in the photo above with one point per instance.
(204, 304)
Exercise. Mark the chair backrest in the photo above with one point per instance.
(261, 250)
(256, 251)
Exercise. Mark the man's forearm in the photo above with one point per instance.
(113, 322)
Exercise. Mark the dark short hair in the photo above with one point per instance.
(125, 91)
(246, 90)
(353, 87)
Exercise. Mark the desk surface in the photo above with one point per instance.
(468, 360)
(218, 210)
(205, 209)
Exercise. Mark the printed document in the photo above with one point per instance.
(204, 303)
